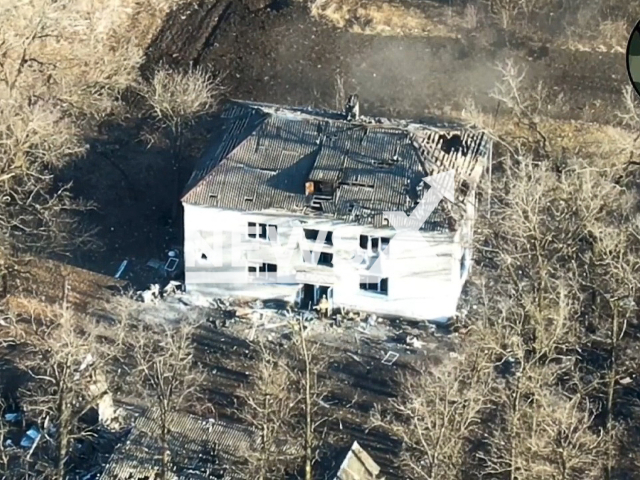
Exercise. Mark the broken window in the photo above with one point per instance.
(375, 285)
(313, 234)
(272, 233)
(325, 259)
(262, 270)
(373, 243)
(328, 240)
(263, 231)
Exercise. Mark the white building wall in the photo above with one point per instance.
(424, 270)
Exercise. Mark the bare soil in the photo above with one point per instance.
(281, 54)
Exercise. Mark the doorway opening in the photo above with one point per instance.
(311, 294)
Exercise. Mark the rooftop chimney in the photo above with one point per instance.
(352, 108)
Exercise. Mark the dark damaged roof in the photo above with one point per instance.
(265, 154)
(200, 449)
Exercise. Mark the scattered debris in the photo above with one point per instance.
(171, 264)
(626, 381)
(275, 325)
(371, 320)
(309, 316)
(414, 342)
(13, 417)
(85, 363)
(358, 465)
(390, 358)
(152, 294)
(31, 437)
(155, 264)
(121, 269)
(258, 305)
(172, 288)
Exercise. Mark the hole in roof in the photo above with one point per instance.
(248, 199)
(453, 143)
(203, 256)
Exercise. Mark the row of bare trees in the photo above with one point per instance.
(63, 71)
(542, 387)
(283, 403)
(76, 364)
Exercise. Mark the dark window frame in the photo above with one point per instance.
(380, 286)
(262, 231)
(374, 243)
(314, 233)
(327, 263)
(262, 269)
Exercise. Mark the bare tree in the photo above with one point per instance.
(176, 100)
(314, 360)
(67, 357)
(271, 403)
(558, 251)
(438, 415)
(165, 373)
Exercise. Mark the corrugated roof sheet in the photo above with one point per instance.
(200, 449)
(265, 155)
(358, 465)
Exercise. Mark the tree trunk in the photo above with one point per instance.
(165, 445)
(610, 396)
(63, 431)
(176, 163)
(515, 409)
(308, 437)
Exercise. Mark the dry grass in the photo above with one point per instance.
(609, 146)
(385, 18)
(63, 66)
(79, 52)
(175, 96)
(40, 281)
(609, 36)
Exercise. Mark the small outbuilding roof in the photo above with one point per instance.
(201, 449)
(358, 465)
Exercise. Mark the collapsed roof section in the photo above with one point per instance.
(332, 164)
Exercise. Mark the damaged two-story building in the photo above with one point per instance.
(297, 204)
